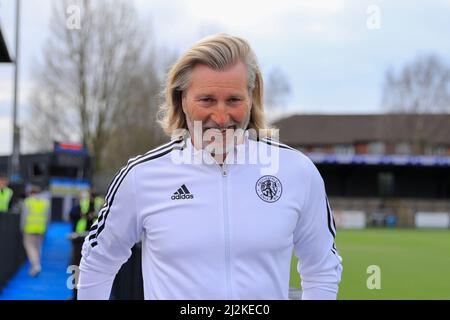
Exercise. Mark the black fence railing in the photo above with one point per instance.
(12, 252)
(128, 284)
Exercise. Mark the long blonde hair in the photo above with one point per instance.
(217, 52)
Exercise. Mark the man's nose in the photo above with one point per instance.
(221, 116)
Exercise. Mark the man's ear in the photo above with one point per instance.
(184, 102)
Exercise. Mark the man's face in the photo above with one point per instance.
(219, 99)
(3, 182)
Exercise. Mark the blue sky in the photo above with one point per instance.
(332, 60)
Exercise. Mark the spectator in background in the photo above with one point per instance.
(75, 211)
(84, 214)
(35, 215)
(6, 194)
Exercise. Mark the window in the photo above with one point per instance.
(385, 184)
(344, 149)
(403, 148)
(318, 150)
(37, 170)
(376, 148)
(436, 151)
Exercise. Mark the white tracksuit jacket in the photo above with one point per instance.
(209, 232)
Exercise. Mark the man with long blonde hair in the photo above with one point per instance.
(218, 218)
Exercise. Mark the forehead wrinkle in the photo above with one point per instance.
(219, 90)
(223, 84)
(234, 74)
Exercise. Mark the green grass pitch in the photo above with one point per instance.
(414, 264)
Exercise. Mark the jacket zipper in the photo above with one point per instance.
(226, 230)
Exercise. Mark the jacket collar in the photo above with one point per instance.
(202, 156)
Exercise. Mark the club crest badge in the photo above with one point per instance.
(269, 188)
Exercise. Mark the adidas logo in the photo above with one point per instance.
(182, 193)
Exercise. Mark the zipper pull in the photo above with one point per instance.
(224, 170)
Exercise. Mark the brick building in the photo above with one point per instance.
(396, 164)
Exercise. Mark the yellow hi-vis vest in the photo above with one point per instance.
(36, 219)
(5, 197)
(84, 206)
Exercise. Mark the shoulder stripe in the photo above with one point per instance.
(334, 249)
(119, 174)
(330, 219)
(113, 190)
(277, 144)
(331, 215)
(123, 169)
(115, 184)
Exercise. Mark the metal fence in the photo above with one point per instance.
(12, 252)
(128, 284)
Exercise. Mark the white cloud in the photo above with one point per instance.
(185, 21)
(244, 12)
(5, 90)
(5, 131)
(258, 17)
(321, 45)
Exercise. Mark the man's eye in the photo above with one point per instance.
(234, 100)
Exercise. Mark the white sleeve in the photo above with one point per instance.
(320, 265)
(110, 239)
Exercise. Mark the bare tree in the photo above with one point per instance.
(93, 80)
(421, 87)
(136, 129)
(277, 89)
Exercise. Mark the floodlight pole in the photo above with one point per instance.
(14, 168)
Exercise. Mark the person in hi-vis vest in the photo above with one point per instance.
(5, 194)
(89, 208)
(35, 216)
